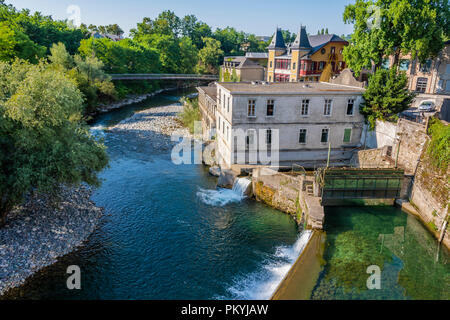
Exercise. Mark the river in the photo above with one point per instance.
(169, 234)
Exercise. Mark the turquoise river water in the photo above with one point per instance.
(169, 234)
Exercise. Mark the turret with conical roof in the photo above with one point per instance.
(277, 41)
(301, 42)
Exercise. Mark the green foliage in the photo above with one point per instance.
(439, 147)
(16, 44)
(41, 30)
(44, 143)
(416, 27)
(386, 96)
(209, 56)
(191, 114)
(87, 73)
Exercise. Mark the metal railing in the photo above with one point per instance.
(162, 76)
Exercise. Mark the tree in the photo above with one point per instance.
(188, 55)
(43, 140)
(88, 74)
(395, 27)
(386, 95)
(209, 56)
(14, 43)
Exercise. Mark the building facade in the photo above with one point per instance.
(430, 80)
(207, 102)
(306, 59)
(299, 121)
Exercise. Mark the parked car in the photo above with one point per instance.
(426, 106)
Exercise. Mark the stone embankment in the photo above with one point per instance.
(40, 231)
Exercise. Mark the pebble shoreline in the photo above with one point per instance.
(38, 233)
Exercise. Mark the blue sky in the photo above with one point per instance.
(253, 16)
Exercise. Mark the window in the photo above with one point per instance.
(220, 94)
(270, 78)
(223, 127)
(333, 50)
(228, 133)
(324, 137)
(404, 65)
(323, 51)
(350, 107)
(385, 64)
(305, 107)
(251, 108)
(347, 135)
(421, 85)
(269, 136)
(327, 107)
(294, 65)
(228, 105)
(283, 64)
(270, 108)
(271, 64)
(426, 67)
(302, 136)
(224, 101)
(321, 65)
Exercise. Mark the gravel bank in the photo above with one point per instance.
(154, 126)
(37, 233)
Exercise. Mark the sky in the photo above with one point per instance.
(252, 16)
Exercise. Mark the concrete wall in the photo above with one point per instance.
(384, 134)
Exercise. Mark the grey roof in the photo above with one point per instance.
(318, 41)
(289, 88)
(301, 41)
(209, 91)
(277, 41)
(257, 55)
(247, 64)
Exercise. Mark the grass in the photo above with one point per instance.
(439, 148)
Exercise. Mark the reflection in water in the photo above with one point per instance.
(396, 242)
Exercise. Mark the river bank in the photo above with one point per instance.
(38, 232)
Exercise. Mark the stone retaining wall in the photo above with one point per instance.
(285, 193)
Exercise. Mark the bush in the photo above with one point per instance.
(190, 114)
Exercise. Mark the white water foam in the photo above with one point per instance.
(261, 284)
(98, 131)
(221, 197)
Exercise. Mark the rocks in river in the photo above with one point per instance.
(152, 127)
(214, 171)
(209, 153)
(226, 179)
(38, 232)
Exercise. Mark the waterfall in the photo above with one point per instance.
(221, 197)
(241, 186)
(262, 283)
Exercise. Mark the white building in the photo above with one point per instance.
(306, 117)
